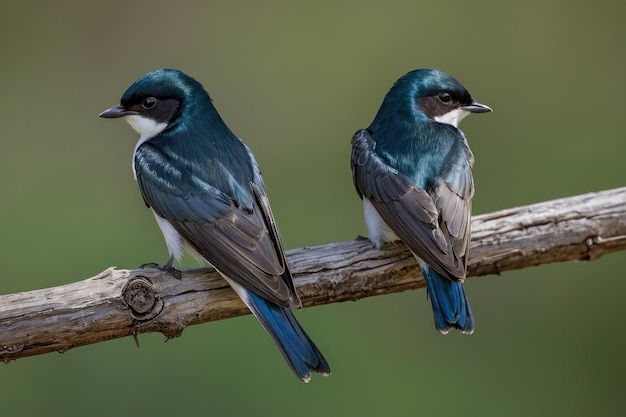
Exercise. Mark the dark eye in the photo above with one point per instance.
(148, 103)
(445, 97)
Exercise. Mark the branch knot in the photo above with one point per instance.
(138, 294)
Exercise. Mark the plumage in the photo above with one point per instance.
(205, 189)
(413, 166)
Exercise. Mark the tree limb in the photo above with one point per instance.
(118, 303)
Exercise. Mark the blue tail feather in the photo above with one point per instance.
(294, 344)
(450, 306)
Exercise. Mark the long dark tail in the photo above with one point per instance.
(450, 306)
(295, 345)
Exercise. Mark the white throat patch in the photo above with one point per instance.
(453, 117)
(147, 128)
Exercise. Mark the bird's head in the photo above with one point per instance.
(434, 94)
(156, 100)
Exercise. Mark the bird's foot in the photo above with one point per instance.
(166, 268)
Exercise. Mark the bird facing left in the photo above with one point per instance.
(205, 190)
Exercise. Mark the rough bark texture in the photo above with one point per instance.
(118, 303)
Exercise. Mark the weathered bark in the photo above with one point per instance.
(118, 303)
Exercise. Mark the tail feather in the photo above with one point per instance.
(450, 306)
(294, 344)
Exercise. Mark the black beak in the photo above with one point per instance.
(115, 112)
(475, 107)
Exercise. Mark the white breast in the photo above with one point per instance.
(377, 230)
(173, 240)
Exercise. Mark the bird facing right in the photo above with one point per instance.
(412, 168)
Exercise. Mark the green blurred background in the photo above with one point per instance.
(295, 82)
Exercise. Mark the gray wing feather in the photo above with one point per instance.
(452, 194)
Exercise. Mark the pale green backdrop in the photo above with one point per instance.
(295, 80)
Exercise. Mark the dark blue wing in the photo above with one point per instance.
(174, 192)
(435, 225)
(237, 237)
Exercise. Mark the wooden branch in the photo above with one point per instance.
(118, 303)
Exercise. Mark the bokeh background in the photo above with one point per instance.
(295, 80)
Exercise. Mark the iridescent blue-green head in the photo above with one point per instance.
(158, 99)
(428, 93)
